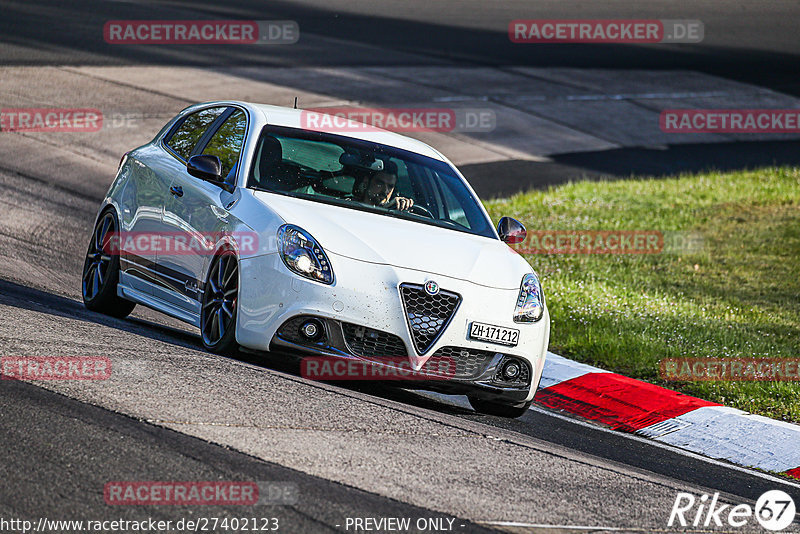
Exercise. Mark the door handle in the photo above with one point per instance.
(177, 191)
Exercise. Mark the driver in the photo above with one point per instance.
(379, 189)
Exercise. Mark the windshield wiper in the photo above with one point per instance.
(354, 204)
(326, 200)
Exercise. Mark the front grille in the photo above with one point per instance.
(469, 363)
(427, 315)
(371, 343)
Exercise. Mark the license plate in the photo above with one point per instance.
(494, 334)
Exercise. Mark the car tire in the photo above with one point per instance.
(101, 270)
(499, 409)
(219, 304)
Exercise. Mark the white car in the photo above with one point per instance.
(362, 244)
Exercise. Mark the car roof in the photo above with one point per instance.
(293, 118)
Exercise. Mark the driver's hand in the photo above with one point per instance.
(400, 203)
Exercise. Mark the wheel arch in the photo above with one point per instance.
(225, 244)
(222, 247)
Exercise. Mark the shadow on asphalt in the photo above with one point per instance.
(36, 300)
(95, 445)
(612, 446)
(29, 25)
(433, 42)
(504, 178)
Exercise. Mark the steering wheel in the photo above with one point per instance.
(421, 210)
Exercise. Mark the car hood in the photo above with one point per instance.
(376, 238)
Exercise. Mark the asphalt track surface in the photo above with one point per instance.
(752, 41)
(174, 412)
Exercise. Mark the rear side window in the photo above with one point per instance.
(226, 143)
(184, 139)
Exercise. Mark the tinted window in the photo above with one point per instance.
(365, 176)
(226, 143)
(189, 133)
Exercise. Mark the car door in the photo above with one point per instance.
(141, 203)
(160, 164)
(153, 169)
(196, 212)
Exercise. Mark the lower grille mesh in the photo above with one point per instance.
(469, 363)
(371, 343)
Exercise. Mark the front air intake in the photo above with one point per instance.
(370, 343)
(427, 315)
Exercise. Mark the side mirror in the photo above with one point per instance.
(205, 167)
(511, 231)
(208, 168)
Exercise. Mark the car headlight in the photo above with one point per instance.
(530, 303)
(303, 255)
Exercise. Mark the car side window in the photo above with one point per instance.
(455, 211)
(184, 139)
(226, 143)
(403, 188)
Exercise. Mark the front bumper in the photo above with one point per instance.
(367, 296)
(468, 372)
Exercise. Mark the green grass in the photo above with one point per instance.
(738, 295)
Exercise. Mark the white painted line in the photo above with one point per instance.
(557, 527)
(461, 401)
(595, 97)
(718, 432)
(663, 428)
(731, 434)
(668, 447)
(648, 96)
(712, 434)
(460, 98)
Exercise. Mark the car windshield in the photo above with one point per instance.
(365, 176)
